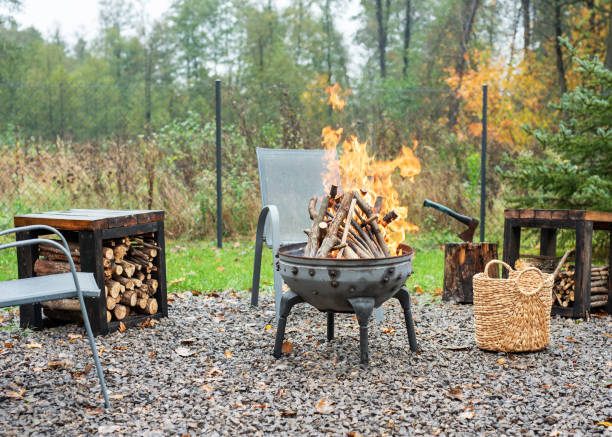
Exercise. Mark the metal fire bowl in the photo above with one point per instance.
(327, 283)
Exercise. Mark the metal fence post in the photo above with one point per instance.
(483, 164)
(218, 119)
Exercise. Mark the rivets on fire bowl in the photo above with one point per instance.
(294, 270)
(332, 273)
(278, 266)
(335, 284)
(385, 279)
(311, 272)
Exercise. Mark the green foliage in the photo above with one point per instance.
(575, 170)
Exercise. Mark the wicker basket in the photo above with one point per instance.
(513, 314)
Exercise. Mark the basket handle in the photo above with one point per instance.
(496, 261)
(518, 284)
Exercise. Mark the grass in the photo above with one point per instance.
(200, 266)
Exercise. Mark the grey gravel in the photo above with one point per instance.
(208, 370)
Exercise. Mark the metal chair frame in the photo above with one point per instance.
(37, 295)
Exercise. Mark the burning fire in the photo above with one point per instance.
(360, 171)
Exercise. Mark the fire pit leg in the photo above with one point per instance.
(330, 325)
(288, 300)
(404, 299)
(363, 307)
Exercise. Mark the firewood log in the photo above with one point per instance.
(119, 252)
(312, 245)
(63, 304)
(599, 290)
(595, 284)
(142, 302)
(120, 312)
(363, 205)
(45, 267)
(116, 269)
(312, 208)
(150, 307)
(107, 253)
(330, 239)
(347, 226)
(140, 275)
(129, 298)
(110, 303)
(152, 284)
(126, 282)
(54, 254)
(128, 268)
(137, 282)
(114, 288)
(109, 316)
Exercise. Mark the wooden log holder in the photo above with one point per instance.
(549, 222)
(99, 238)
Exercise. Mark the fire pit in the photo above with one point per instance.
(344, 286)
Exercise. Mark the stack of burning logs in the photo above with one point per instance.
(128, 270)
(563, 289)
(347, 226)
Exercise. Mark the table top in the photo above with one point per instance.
(90, 219)
(559, 215)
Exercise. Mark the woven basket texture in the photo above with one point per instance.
(513, 314)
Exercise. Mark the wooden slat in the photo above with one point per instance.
(545, 214)
(511, 213)
(90, 219)
(599, 216)
(526, 213)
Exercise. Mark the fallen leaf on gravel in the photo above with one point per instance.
(501, 361)
(152, 355)
(466, 415)
(206, 387)
(288, 413)
(74, 337)
(609, 363)
(604, 423)
(95, 411)
(34, 345)
(437, 291)
(187, 341)
(62, 363)
(122, 327)
(6, 344)
(268, 326)
(214, 371)
(571, 340)
(459, 347)
(18, 394)
(83, 372)
(418, 289)
(184, 351)
(455, 393)
(262, 406)
(238, 405)
(228, 353)
(287, 347)
(324, 407)
(388, 330)
(116, 396)
(108, 429)
(355, 434)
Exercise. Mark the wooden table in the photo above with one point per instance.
(549, 221)
(90, 227)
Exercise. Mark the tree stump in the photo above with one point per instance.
(461, 262)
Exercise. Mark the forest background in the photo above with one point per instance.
(126, 119)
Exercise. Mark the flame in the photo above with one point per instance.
(335, 99)
(361, 171)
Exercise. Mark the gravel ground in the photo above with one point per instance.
(208, 370)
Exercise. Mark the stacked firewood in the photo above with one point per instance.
(347, 226)
(129, 277)
(563, 288)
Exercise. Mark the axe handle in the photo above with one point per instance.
(462, 218)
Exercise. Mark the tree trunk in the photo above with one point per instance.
(468, 25)
(526, 24)
(608, 61)
(407, 28)
(558, 51)
(382, 17)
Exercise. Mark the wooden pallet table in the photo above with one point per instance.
(549, 222)
(90, 227)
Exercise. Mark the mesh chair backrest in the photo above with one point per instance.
(289, 178)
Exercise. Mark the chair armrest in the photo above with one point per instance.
(34, 241)
(33, 227)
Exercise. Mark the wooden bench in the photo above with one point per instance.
(51, 287)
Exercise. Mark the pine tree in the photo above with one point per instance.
(576, 169)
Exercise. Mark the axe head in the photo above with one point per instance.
(468, 234)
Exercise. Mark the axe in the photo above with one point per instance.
(471, 223)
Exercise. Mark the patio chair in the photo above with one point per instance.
(288, 179)
(51, 287)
